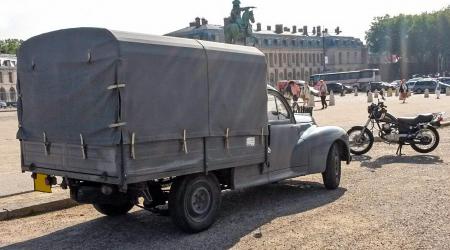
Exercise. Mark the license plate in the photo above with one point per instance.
(41, 185)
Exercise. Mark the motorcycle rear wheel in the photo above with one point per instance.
(362, 145)
(430, 146)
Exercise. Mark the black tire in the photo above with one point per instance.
(367, 136)
(194, 202)
(332, 175)
(114, 209)
(433, 147)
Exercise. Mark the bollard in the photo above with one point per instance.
(375, 95)
(447, 91)
(332, 101)
(343, 92)
(389, 92)
(427, 93)
(438, 93)
(311, 102)
(397, 92)
(356, 91)
(369, 97)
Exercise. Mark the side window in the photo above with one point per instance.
(276, 109)
(271, 108)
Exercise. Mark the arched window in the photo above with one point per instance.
(12, 94)
(290, 76)
(340, 57)
(348, 57)
(285, 43)
(298, 75)
(293, 42)
(266, 42)
(2, 94)
(275, 42)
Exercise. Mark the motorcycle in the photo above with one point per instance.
(419, 132)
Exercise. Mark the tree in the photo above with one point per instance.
(422, 39)
(10, 46)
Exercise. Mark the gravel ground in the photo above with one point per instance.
(384, 202)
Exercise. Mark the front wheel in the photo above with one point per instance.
(194, 202)
(428, 140)
(360, 143)
(332, 175)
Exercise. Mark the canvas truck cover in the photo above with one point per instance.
(99, 88)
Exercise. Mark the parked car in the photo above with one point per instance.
(3, 104)
(228, 130)
(338, 88)
(282, 85)
(430, 84)
(445, 80)
(379, 86)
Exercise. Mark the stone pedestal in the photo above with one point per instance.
(369, 97)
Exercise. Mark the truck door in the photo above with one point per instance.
(283, 136)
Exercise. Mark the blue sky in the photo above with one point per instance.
(26, 18)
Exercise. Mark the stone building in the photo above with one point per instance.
(8, 78)
(292, 53)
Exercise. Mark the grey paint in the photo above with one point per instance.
(171, 85)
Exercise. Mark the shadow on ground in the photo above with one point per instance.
(389, 159)
(242, 212)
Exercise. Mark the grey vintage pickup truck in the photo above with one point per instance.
(160, 122)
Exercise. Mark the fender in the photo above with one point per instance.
(314, 145)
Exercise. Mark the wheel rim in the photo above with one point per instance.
(200, 200)
(357, 141)
(199, 203)
(337, 166)
(427, 139)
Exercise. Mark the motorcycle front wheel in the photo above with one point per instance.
(429, 140)
(360, 143)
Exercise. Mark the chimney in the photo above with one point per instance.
(305, 30)
(319, 31)
(269, 28)
(204, 21)
(258, 26)
(279, 28)
(197, 22)
(294, 29)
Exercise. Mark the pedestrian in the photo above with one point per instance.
(403, 91)
(305, 94)
(323, 93)
(295, 93)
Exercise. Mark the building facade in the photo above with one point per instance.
(8, 78)
(292, 54)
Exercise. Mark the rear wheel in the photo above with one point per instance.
(114, 209)
(194, 202)
(429, 140)
(360, 143)
(332, 175)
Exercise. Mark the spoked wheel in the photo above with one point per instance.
(360, 143)
(427, 140)
(332, 175)
(194, 202)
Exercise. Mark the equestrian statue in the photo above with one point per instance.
(237, 28)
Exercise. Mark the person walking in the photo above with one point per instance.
(306, 94)
(323, 93)
(403, 90)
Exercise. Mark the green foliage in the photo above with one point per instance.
(420, 38)
(10, 46)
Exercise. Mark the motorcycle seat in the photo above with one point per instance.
(424, 118)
